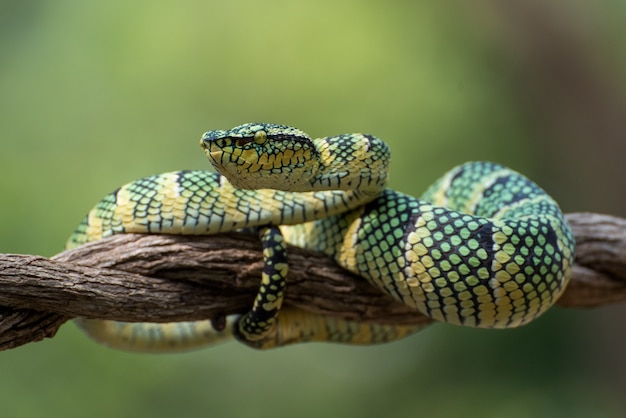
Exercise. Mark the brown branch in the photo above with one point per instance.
(162, 278)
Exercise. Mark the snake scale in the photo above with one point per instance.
(483, 247)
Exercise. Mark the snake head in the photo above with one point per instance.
(263, 156)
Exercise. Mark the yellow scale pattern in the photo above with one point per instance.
(483, 247)
(500, 266)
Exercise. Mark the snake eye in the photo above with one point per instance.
(260, 137)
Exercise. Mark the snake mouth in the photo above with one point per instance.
(204, 142)
(212, 150)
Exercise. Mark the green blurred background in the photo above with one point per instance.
(94, 94)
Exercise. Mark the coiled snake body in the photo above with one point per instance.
(483, 247)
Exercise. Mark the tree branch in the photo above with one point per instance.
(161, 278)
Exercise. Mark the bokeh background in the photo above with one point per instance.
(94, 94)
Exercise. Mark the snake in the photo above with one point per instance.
(483, 247)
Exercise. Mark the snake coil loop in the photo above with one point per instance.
(483, 247)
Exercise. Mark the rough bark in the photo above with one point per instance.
(160, 278)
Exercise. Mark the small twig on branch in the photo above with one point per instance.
(161, 278)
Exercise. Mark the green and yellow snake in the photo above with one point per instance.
(483, 247)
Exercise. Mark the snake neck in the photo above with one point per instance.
(352, 162)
